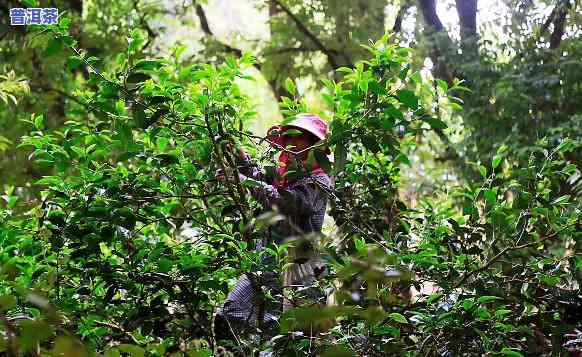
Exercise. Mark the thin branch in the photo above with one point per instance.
(559, 24)
(144, 23)
(442, 43)
(499, 255)
(467, 10)
(39, 87)
(208, 31)
(303, 29)
(282, 148)
(277, 51)
(400, 17)
(430, 15)
(117, 328)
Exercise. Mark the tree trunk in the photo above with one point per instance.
(559, 24)
(431, 19)
(467, 10)
(400, 16)
(274, 81)
(442, 48)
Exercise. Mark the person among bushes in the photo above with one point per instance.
(298, 193)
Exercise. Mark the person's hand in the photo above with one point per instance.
(230, 145)
(274, 133)
(226, 143)
(574, 343)
(222, 177)
(242, 154)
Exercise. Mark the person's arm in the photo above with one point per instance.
(299, 199)
(248, 168)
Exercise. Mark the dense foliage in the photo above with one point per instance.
(118, 239)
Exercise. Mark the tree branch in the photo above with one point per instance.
(430, 16)
(277, 51)
(559, 24)
(330, 54)
(467, 10)
(558, 18)
(39, 87)
(499, 255)
(400, 17)
(440, 38)
(206, 29)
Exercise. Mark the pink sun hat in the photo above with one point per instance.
(308, 122)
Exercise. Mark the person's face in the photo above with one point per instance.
(297, 142)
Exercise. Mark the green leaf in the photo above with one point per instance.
(483, 171)
(165, 265)
(394, 112)
(434, 297)
(512, 352)
(482, 313)
(403, 159)
(561, 200)
(436, 123)
(376, 88)
(383, 330)
(398, 318)
(147, 65)
(136, 41)
(496, 161)
(293, 132)
(408, 98)
(344, 70)
(323, 160)
(104, 249)
(53, 47)
(442, 85)
(39, 122)
(491, 195)
(290, 86)
(416, 77)
(44, 163)
(468, 304)
(74, 61)
(488, 298)
(201, 353)
(502, 149)
(132, 350)
(455, 106)
(136, 78)
(404, 72)
(363, 85)
(7, 302)
(33, 332)
(502, 312)
(360, 244)
(249, 182)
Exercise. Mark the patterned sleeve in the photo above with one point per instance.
(248, 168)
(299, 199)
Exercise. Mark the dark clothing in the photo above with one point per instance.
(303, 205)
(303, 202)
